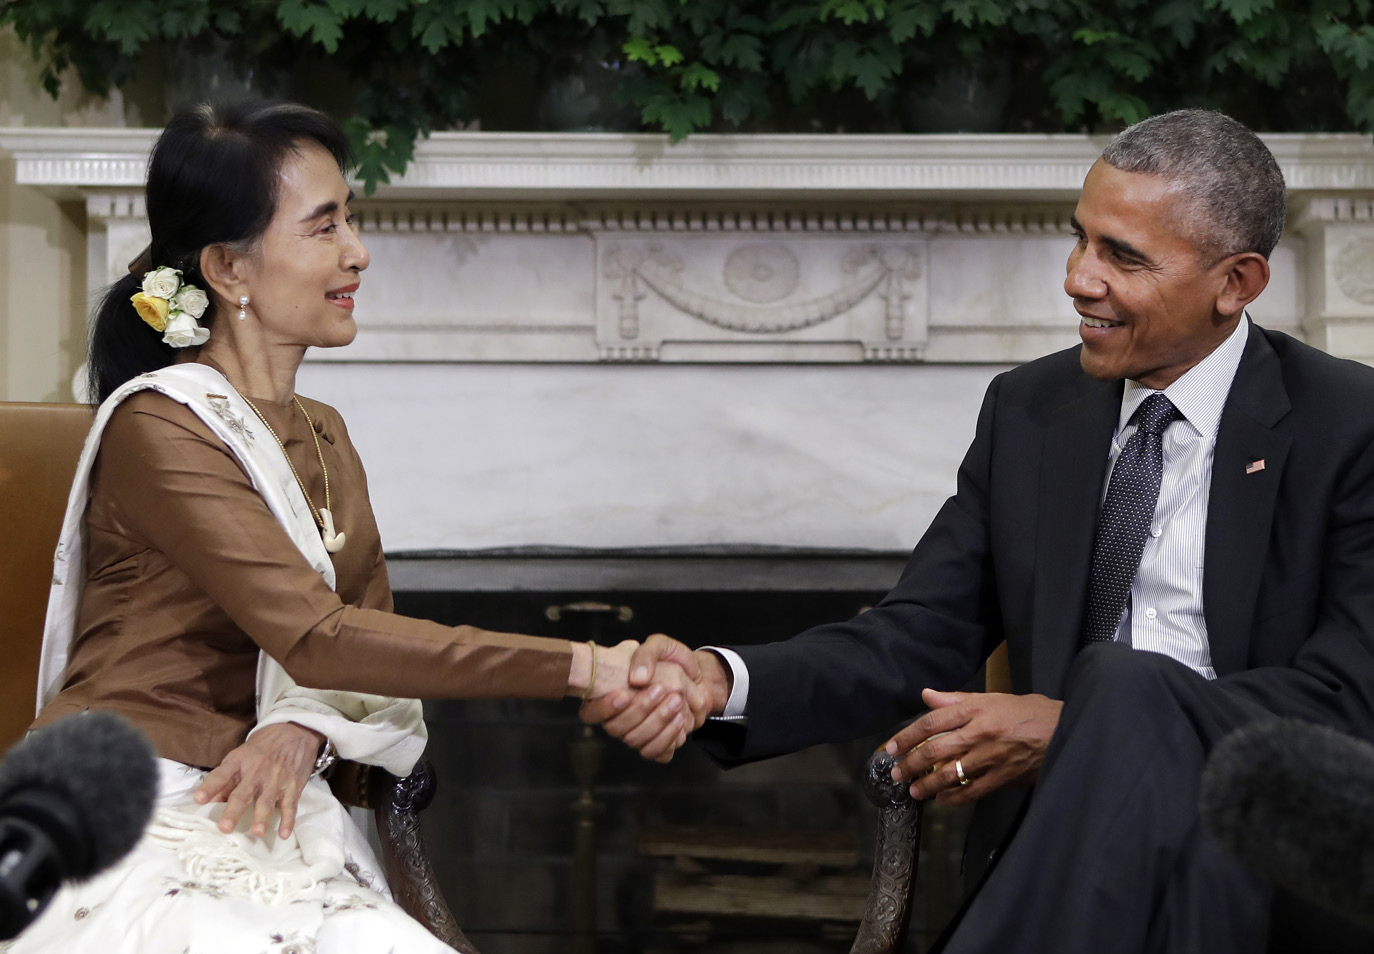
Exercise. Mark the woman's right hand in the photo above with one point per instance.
(675, 689)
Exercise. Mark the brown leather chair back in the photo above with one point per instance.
(39, 448)
(998, 671)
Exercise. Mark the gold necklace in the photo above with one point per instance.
(324, 518)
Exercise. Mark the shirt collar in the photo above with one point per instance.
(1200, 393)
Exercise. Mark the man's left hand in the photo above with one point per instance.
(997, 739)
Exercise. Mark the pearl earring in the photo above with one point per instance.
(243, 307)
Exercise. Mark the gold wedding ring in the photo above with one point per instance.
(959, 771)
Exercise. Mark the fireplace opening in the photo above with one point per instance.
(549, 836)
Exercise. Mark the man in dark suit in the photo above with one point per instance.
(1170, 526)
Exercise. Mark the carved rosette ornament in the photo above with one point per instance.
(1354, 270)
(762, 273)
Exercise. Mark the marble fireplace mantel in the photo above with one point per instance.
(603, 340)
(603, 247)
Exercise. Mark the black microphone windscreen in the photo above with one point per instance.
(1296, 802)
(104, 770)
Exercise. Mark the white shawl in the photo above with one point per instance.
(366, 728)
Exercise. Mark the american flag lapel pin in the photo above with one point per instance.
(1255, 466)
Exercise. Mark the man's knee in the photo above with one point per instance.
(1125, 708)
(1128, 676)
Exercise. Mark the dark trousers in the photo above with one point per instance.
(1111, 855)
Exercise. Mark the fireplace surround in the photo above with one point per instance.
(725, 383)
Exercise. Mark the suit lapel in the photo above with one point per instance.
(1240, 510)
(1071, 471)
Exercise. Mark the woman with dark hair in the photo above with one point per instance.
(220, 555)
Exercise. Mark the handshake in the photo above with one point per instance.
(652, 695)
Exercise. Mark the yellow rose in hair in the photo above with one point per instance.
(152, 309)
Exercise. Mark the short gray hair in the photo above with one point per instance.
(1225, 173)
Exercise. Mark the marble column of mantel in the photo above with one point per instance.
(606, 340)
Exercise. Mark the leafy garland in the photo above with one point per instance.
(754, 65)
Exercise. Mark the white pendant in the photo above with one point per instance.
(333, 542)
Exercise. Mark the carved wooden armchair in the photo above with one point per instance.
(39, 447)
(396, 804)
(890, 896)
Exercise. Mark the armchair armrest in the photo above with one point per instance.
(885, 921)
(396, 804)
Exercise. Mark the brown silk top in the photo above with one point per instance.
(188, 574)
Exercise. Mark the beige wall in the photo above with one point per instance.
(42, 242)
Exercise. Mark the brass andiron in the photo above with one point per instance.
(588, 755)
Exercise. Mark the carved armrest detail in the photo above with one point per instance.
(885, 921)
(396, 804)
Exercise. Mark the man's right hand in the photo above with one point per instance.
(643, 715)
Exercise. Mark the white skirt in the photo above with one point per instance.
(187, 888)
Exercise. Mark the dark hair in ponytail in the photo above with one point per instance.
(212, 180)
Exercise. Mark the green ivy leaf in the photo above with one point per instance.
(699, 76)
(1073, 91)
(1134, 65)
(1360, 101)
(1179, 17)
(640, 50)
(179, 23)
(967, 13)
(301, 17)
(480, 13)
(380, 152)
(668, 55)
(743, 51)
(678, 115)
(228, 22)
(871, 74)
(1269, 66)
(1242, 10)
(1123, 107)
(906, 18)
(747, 23)
(107, 20)
(643, 17)
(1354, 47)
(436, 27)
(588, 11)
(385, 11)
(793, 16)
(737, 103)
(851, 11)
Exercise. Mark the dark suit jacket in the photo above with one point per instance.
(1288, 585)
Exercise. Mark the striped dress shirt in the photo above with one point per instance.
(1164, 612)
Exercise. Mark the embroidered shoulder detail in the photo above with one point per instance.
(219, 403)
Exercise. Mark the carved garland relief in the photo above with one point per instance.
(755, 294)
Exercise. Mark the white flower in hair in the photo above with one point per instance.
(162, 282)
(191, 300)
(182, 331)
(170, 307)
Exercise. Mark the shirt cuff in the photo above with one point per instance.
(739, 688)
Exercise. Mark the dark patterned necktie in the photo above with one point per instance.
(1127, 513)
